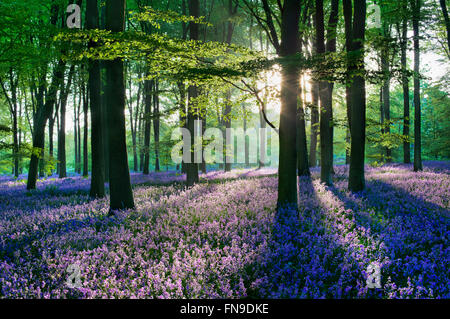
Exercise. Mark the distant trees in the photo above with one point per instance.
(304, 35)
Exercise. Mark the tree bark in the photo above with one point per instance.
(405, 85)
(287, 177)
(416, 6)
(156, 124)
(302, 147)
(42, 115)
(348, 11)
(182, 89)
(121, 195)
(358, 100)
(385, 95)
(326, 89)
(192, 168)
(246, 142)
(314, 123)
(97, 189)
(85, 132)
(148, 86)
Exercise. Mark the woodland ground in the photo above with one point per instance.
(220, 239)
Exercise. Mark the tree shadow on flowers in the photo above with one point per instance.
(412, 236)
(305, 257)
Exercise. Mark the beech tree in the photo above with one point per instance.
(121, 195)
(192, 167)
(97, 188)
(357, 92)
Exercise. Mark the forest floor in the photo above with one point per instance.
(220, 239)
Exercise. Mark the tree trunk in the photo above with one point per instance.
(302, 147)
(262, 140)
(62, 140)
(417, 116)
(405, 85)
(156, 124)
(121, 195)
(79, 132)
(104, 109)
(97, 189)
(44, 111)
(42, 115)
(348, 11)
(287, 177)
(51, 126)
(386, 102)
(133, 124)
(85, 133)
(75, 133)
(227, 121)
(148, 86)
(314, 123)
(192, 167)
(246, 142)
(358, 100)
(182, 89)
(326, 90)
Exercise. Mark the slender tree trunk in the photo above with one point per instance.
(287, 177)
(192, 168)
(148, 86)
(133, 125)
(314, 123)
(246, 142)
(42, 115)
(358, 100)
(182, 89)
(326, 90)
(79, 132)
(203, 163)
(405, 85)
(348, 11)
(227, 121)
(97, 189)
(51, 126)
(156, 124)
(141, 141)
(386, 102)
(347, 146)
(14, 116)
(44, 111)
(104, 108)
(417, 110)
(302, 147)
(262, 140)
(75, 132)
(121, 195)
(62, 141)
(15, 139)
(85, 133)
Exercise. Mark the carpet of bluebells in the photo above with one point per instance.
(222, 238)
